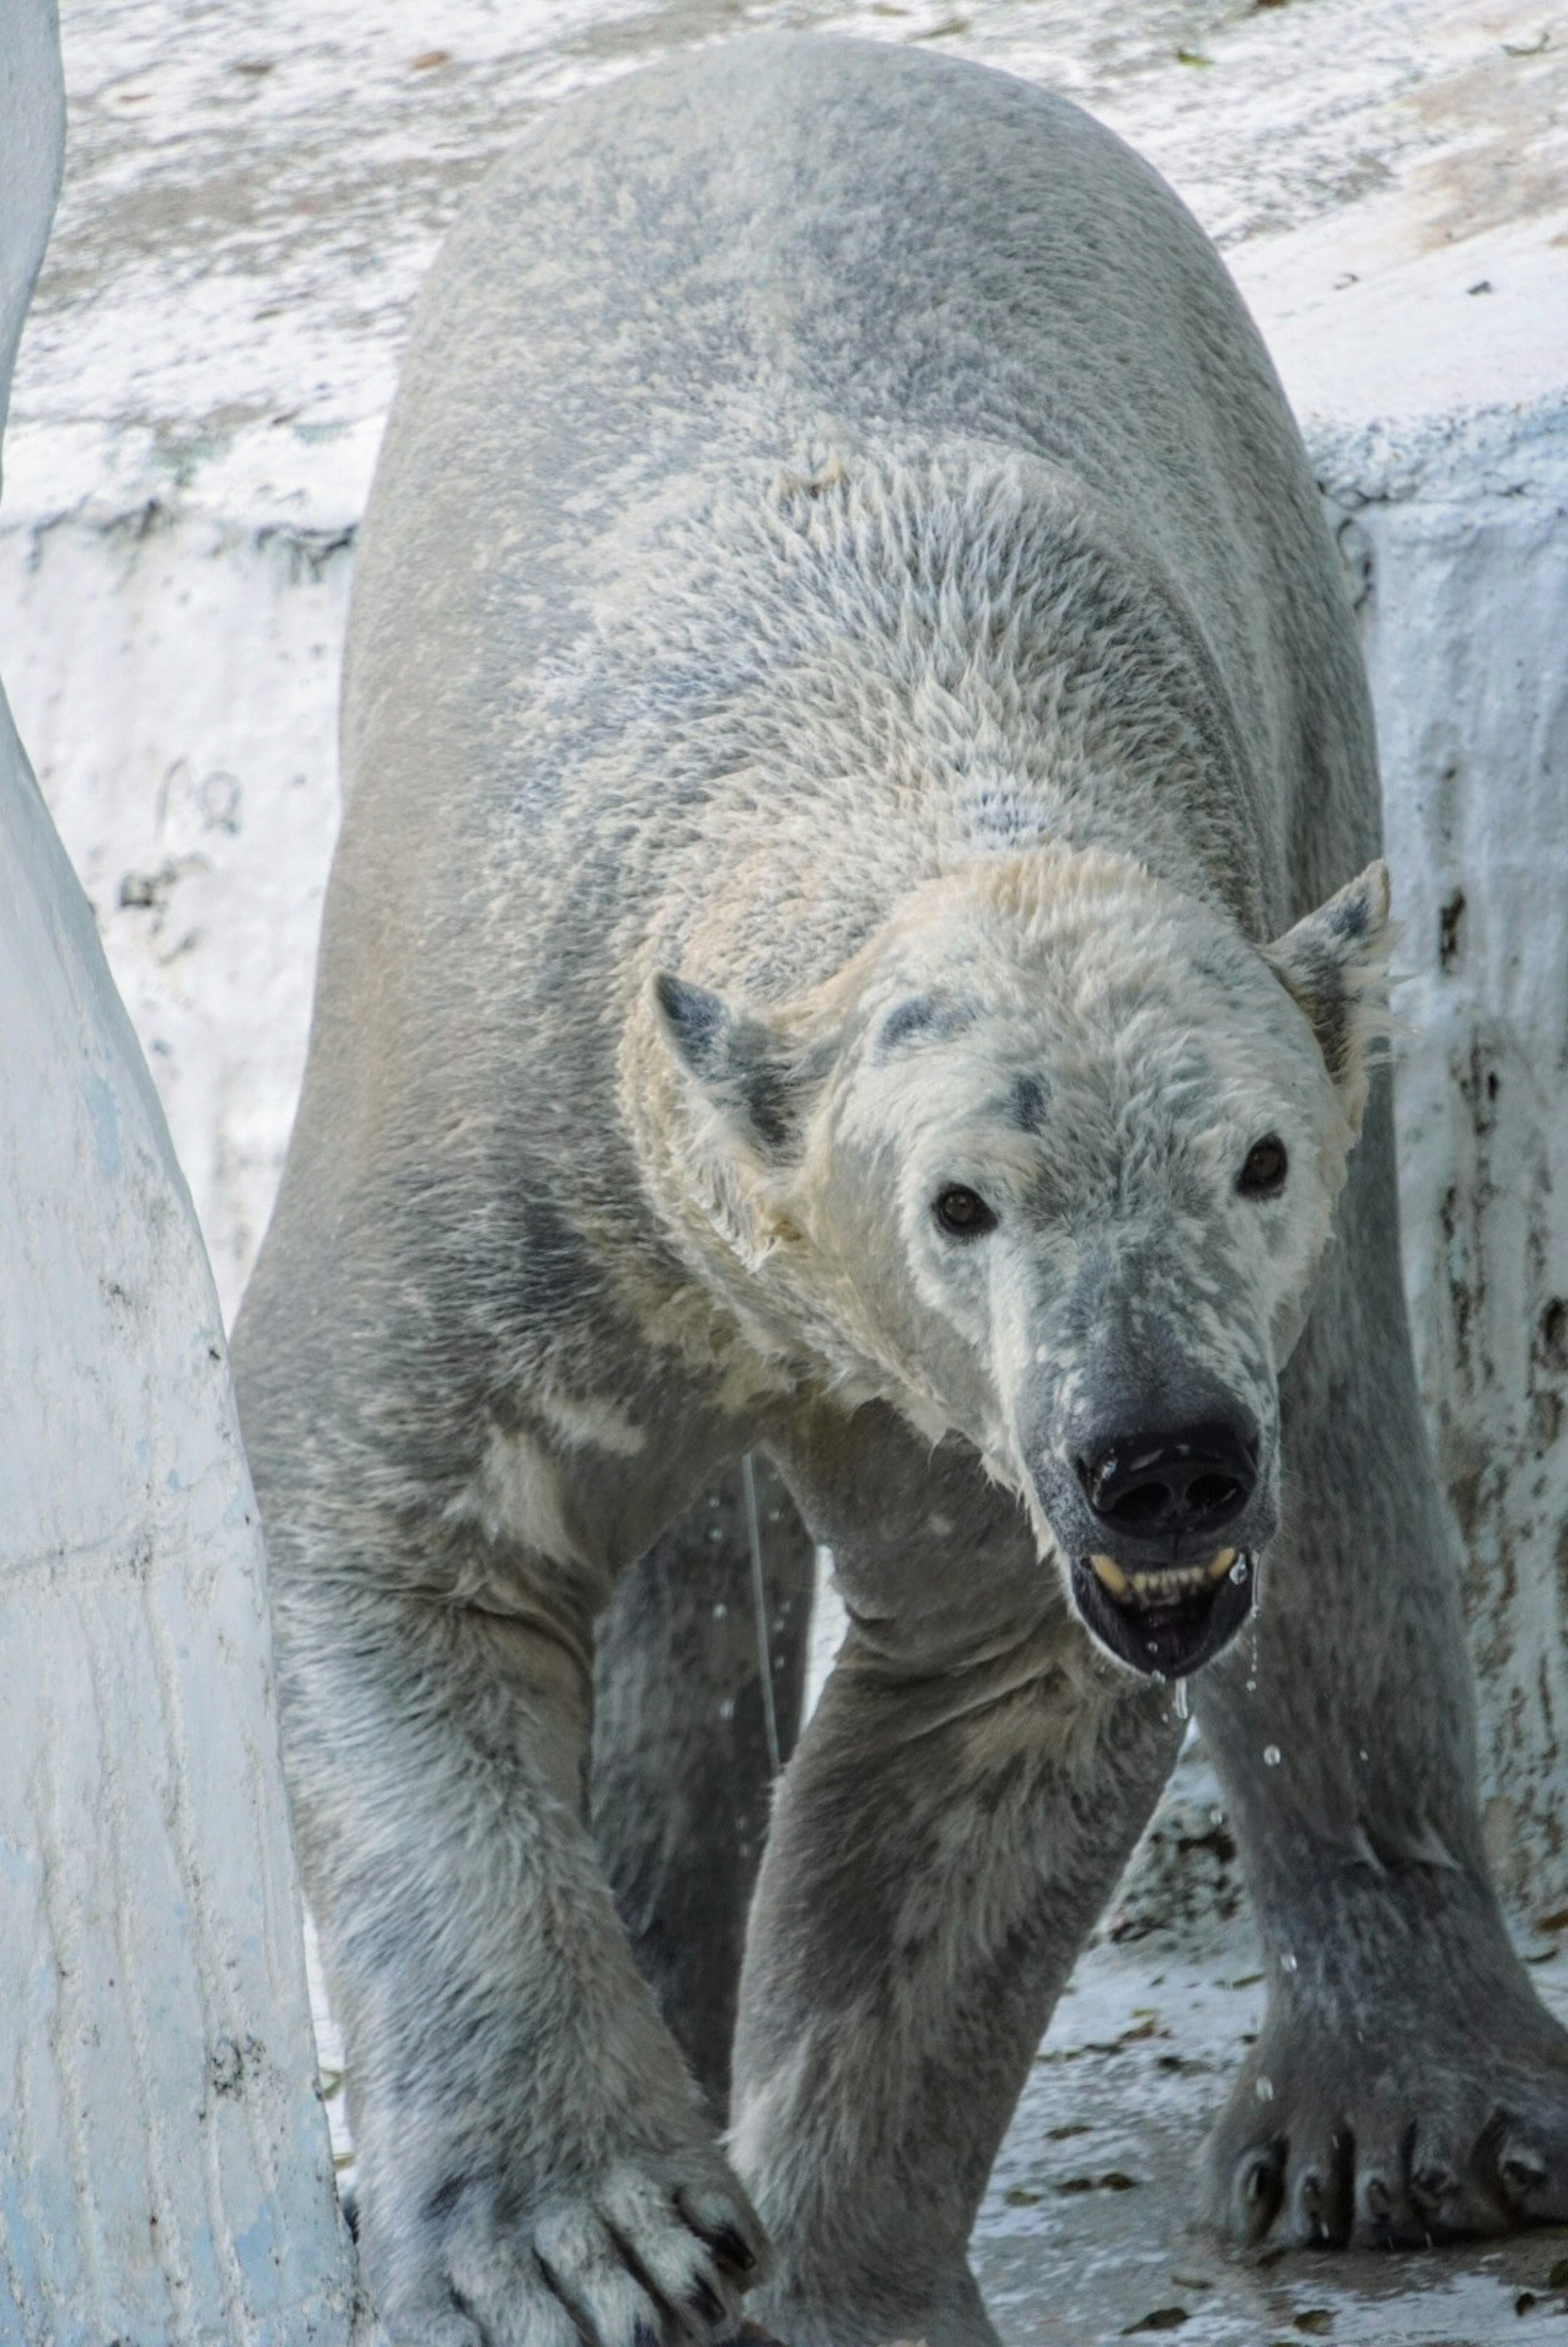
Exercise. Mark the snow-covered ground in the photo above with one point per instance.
(251, 195)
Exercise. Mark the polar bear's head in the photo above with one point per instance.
(1052, 1163)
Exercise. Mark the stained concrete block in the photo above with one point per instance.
(165, 2174)
(1423, 337)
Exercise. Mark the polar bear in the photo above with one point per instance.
(855, 938)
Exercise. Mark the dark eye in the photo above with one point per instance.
(1263, 1174)
(964, 1214)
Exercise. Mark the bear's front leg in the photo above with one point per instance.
(1407, 2082)
(943, 1842)
(535, 2170)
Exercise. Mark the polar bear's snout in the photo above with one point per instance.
(1171, 1489)
(1159, 1513)
(1178, 1520)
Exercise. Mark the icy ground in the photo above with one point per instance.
(252, 193)
(1083, 2236)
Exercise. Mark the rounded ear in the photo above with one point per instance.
(1336, 964)
(753, 1073)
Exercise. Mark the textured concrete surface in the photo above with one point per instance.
(1085, 2234)
(1084, 2237)
(164, 2169)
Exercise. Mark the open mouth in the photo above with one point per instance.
(1170, 1621)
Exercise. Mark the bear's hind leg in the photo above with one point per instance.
(682, 1771)
(1407, 2082)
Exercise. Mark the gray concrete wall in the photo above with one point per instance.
(165, 2173)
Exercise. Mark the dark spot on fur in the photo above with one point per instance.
(912, 1018)
(1347, 916)
(770, 1102)
(1004, 813)
(1027, 1106)
(924, 1015)
(697, 1019)
(1317, 983)
(444, 2202)
(738, 1060)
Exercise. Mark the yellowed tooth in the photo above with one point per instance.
(1111, 1574)
(1222, 1564)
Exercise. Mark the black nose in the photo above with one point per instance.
(1176, 1484)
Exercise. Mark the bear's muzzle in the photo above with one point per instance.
(1168, 1621)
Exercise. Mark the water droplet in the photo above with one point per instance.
(1239, 1570)
(1264, 2090)
(1252, 1686)
(1181, 1700)
(1363, 1756)
(1287, 1963)
(1272, 1756)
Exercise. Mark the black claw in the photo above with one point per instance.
(731, 2249)
(1524, 2172)
(705, 2300)
(1434, 2189)
(1310, 2201)
(1262, 2190)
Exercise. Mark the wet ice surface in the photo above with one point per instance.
(1086, 2233)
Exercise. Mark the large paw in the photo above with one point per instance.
(1397, 2112)
(654, 2254)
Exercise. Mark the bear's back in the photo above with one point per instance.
(712, 268)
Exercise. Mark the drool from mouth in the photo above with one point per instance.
(1167, 1622)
